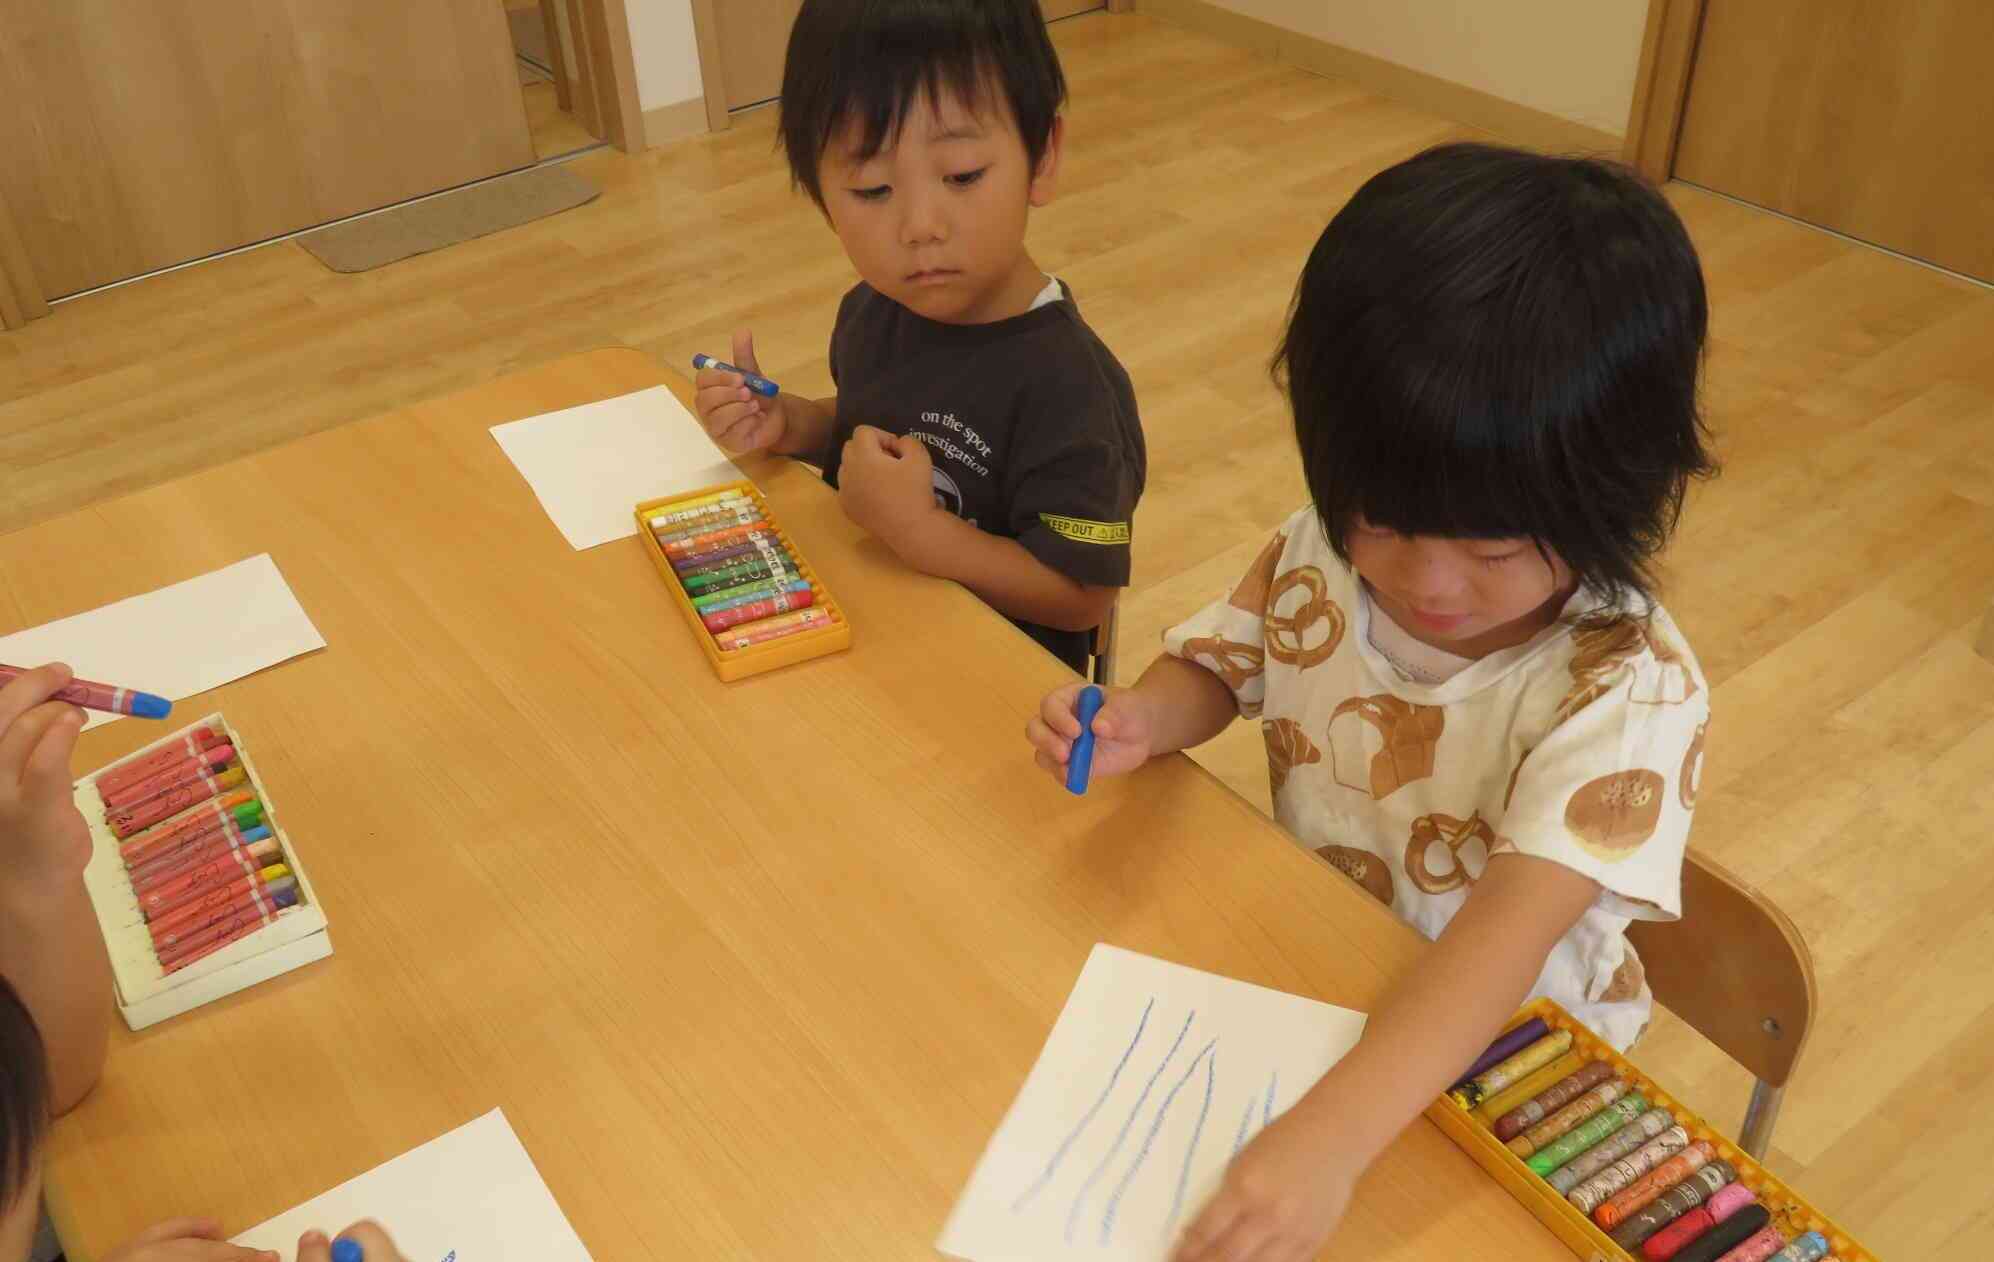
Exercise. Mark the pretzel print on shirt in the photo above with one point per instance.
(1293, 637)
(1453, 836)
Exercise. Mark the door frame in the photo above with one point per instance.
(1661, 86)
(706, 30)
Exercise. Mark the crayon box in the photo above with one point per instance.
(237, 954)
(1474, 1132)
(730, 656)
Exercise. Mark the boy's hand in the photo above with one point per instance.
(737, 418)
(374, 1244)
(1121, 732)
(186, 1240)
(43, 839)
(1281, 1198)
(886, 484)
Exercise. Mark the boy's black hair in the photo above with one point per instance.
(870, 61)
(1488, 343)
(23, 1095)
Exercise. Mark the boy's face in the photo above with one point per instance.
(1470, 597)
(936, 219)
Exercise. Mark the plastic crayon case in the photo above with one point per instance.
(709, 536)
(203, 895)
(1474, 1131)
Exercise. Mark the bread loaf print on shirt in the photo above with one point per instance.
(1380, 744)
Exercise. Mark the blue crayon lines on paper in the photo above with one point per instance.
(1176, 1148)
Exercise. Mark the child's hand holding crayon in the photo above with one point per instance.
(739, 417)
(44, 842)
(1121, 731)
(1281, 1198)
(364, 1241)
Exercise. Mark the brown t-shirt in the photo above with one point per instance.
(1030, 421)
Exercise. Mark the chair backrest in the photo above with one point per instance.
(1101, 646)
(1734, 968)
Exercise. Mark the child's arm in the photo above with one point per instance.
(742, 421)
(50, 946)
(1287, 1190)
(886, 484)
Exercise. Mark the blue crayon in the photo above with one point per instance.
(1081, 760)
(754, 381)
(347, 1249)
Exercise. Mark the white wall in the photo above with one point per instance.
(1572, 58)
(666, 50)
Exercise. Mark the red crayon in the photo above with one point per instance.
(170, 837)
(228, 838)
(186, 771)
(782, 602)
(197, 916)
(712, 539)
(165, 898)
(189, 745)
(171, 803)
(243, 926)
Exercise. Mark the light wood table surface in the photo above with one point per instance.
(754, 969)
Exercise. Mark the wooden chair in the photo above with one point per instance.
(1103, 645)
(1737, 971)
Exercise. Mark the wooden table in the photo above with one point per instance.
(755, 968)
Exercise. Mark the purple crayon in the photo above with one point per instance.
(1507, 1046)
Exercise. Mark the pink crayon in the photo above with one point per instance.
(189, 745)
(165, 899)
(236, 929)
(186, 771)
(106, 697)
(196, 916)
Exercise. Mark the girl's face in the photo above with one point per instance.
(1470, 597)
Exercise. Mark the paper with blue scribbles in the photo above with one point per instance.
(471, 1195)
(1153, 1077)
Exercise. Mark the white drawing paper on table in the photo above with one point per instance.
(179, 640)
(1152, 1078)
(590, 466)
(471, 1195)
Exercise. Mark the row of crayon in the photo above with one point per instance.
(203, 864)
(744, 583)
(1633, 1168)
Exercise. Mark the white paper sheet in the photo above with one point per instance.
(1153, 1077)
(591, 465)
(471, 1195)
(179, 640)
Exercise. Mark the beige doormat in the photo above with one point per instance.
(360, 245)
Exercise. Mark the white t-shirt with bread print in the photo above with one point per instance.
(1582, 746)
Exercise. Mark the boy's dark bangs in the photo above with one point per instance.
(878, 78)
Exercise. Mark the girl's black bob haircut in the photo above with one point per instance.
(870, 61)
(23, 1095)
(1488, 343)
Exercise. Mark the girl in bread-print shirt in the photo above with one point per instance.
(1472, 703)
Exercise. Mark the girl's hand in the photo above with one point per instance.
(1282, 1197)
(43, 839)
(1121, 731)
(186, 1240)
(374, 1244)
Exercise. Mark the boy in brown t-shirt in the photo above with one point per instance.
(980, 429)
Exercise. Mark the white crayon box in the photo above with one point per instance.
(212, 920)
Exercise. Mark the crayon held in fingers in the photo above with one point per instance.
(754, 381)
(189, 745)
(109, 698)
(146, 814)
(1080, 762)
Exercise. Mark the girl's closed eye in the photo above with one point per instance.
(876, 193)
(1500, 558)
(964, 179)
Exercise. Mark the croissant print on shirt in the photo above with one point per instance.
(1288, 747)
(1251, 594)
(1603, 652)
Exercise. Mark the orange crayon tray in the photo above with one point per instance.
(1474, 1133)
(739, 663)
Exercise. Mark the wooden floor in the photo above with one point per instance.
(1830, 581)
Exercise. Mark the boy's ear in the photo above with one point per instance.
(1046, 178)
